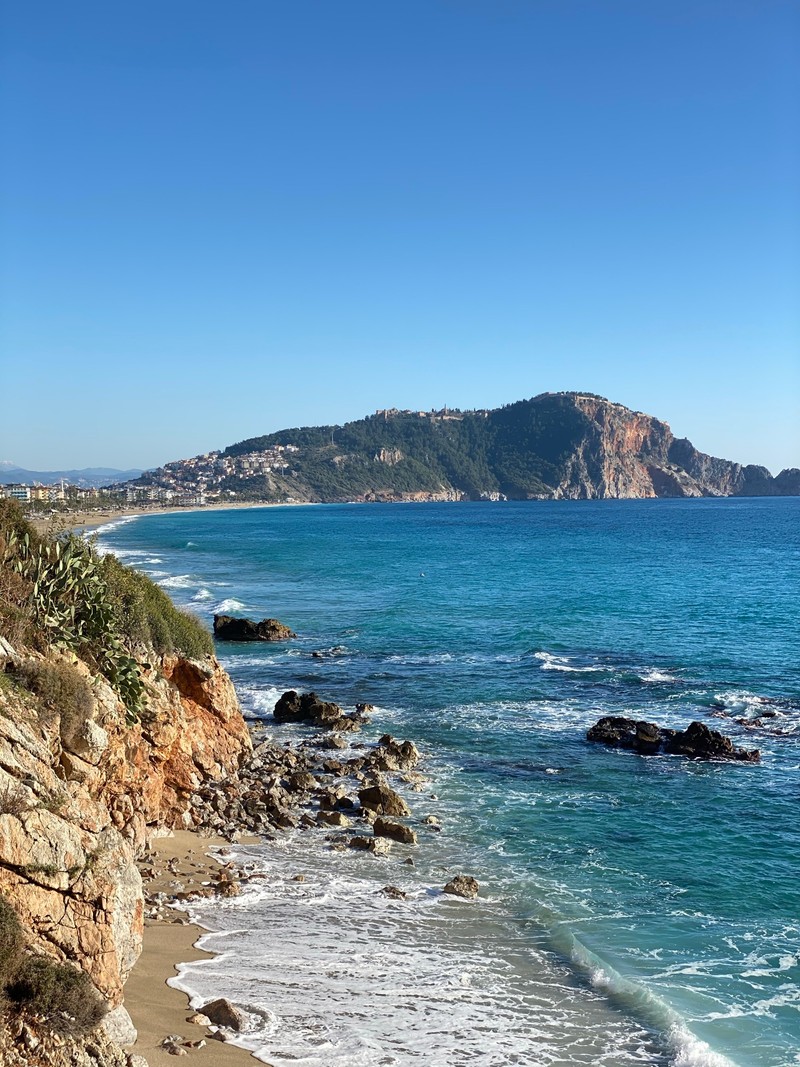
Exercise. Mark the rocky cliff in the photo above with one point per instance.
(623, 453)
(78, 805)
(553, 446)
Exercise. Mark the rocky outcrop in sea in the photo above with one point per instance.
(697, 741)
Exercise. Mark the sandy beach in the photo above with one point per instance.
(156, 1008)
(91, 519)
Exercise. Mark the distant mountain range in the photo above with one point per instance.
(553, 446)
(88, 478)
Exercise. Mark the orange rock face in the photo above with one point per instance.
(72, 822)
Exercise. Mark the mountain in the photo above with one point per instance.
(573, 446)
(87, 478)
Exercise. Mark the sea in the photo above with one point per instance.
(633, 910)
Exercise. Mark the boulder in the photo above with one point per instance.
(332, 818)
(308, 707)
(697, 741)
(395, 830)
(393, 892)
(379, 846)
(463, 885)
(383, 800)
(391, 755)
(222, 1013)
(118, 1025)
(230, 628)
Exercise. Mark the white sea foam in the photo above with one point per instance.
(228, 604)
(260, 700)
(550, 662)
(203, 594)
(115, 524)
(178, 581)
(653, 674)
(690, 1051)
(430, 979)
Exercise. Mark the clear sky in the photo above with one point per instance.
(223, 218)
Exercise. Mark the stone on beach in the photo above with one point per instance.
(222, 1013)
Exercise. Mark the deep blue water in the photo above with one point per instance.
(660, 896)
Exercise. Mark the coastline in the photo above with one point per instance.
(91, 519)
(156, 1008)
(564, 661)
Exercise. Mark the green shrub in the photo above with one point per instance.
(147, 618)
(62, 996)
(12, 942)
(69, 605)
(62, 690)
(55, 592)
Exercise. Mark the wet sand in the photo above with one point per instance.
(156, 1008)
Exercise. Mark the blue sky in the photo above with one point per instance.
(221, 219)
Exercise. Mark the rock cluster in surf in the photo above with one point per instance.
(697, 741)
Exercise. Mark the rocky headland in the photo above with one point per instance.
(559, 446)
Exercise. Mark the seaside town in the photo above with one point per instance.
(193, 483)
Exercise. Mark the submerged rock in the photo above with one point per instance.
(230, 628)
(697, 741)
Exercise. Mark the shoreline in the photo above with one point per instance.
(92, 519)
(157, 1008)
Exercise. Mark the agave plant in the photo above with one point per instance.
(70, 605)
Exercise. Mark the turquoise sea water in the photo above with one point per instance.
(633, 910)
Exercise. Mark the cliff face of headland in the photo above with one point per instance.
(619, 453)
(554, 446)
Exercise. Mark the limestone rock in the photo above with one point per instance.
(379, 846)
(119, 1027)
(697, 741)
(308, 707)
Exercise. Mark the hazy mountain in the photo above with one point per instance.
(88, 478)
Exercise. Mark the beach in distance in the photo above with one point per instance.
(632, 909)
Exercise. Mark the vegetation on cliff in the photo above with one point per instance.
(55, 995)
(56, 593)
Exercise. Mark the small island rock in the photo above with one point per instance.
(230, 628)
(697, 741)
